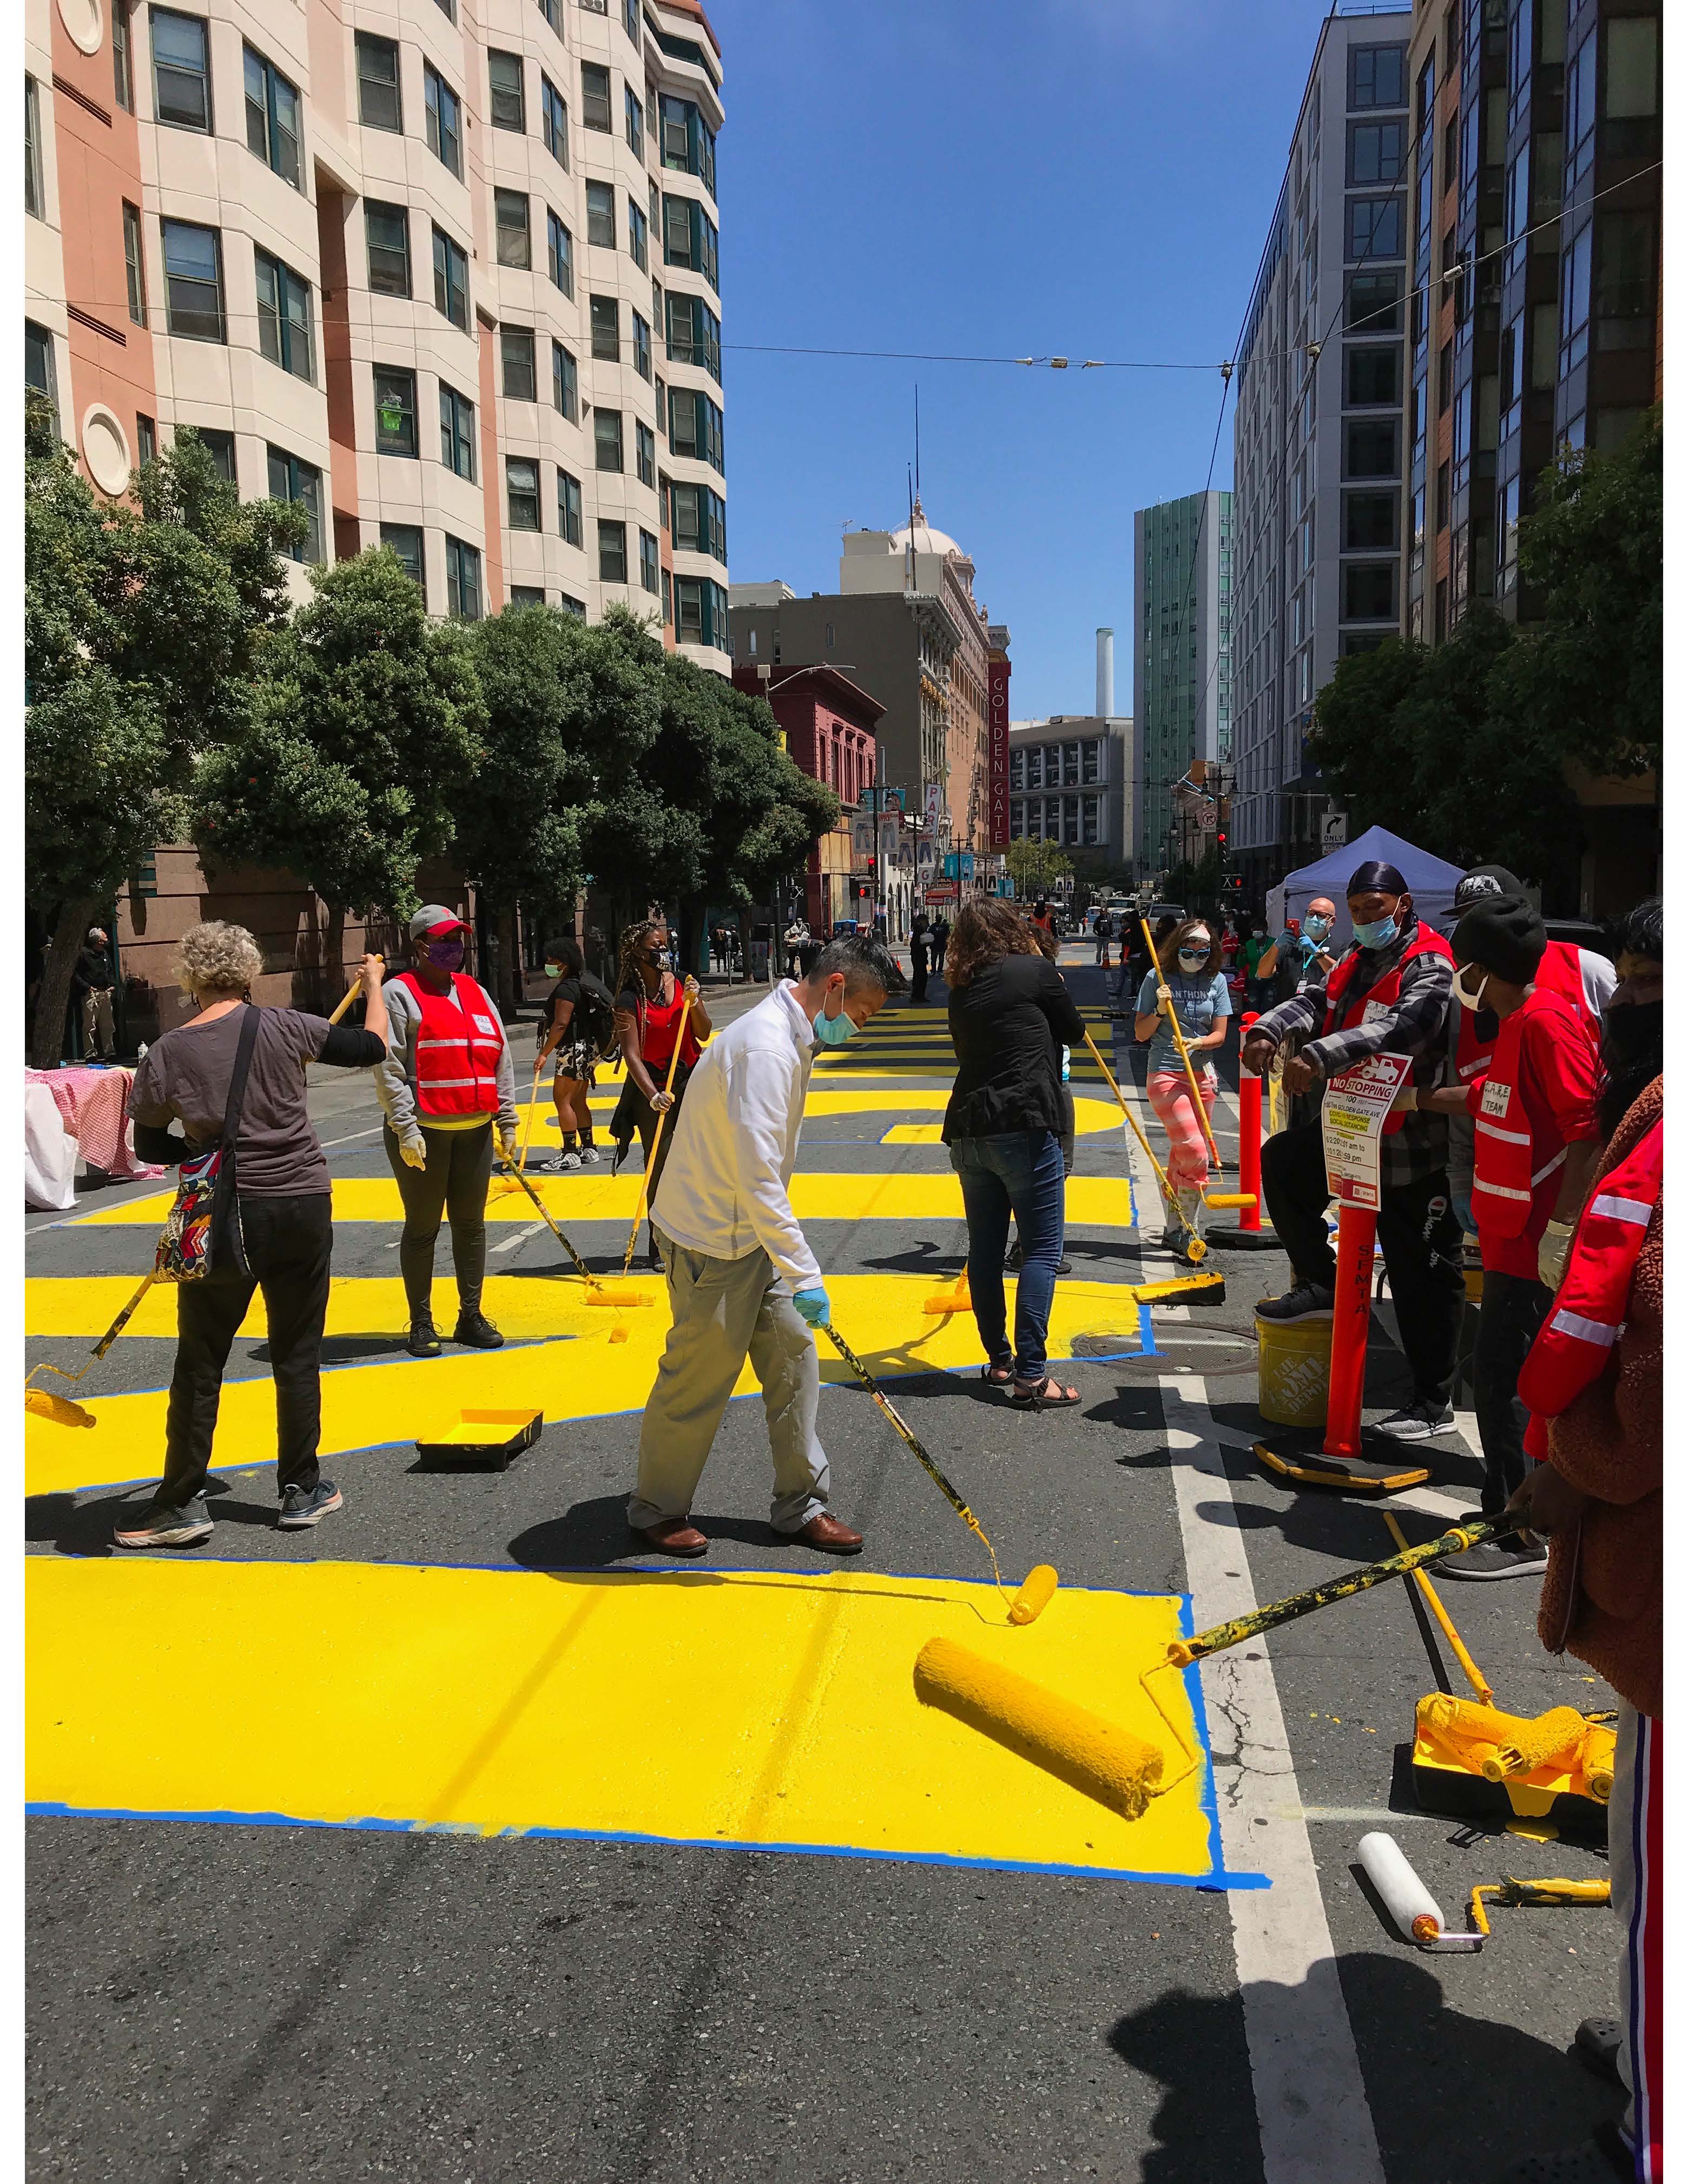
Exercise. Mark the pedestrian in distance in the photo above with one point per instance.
(743, 1281)
(235, 1073)
(1533, 1111)
(1009, 1015)
(1187, 987)
(795, 935)
(1390, 993)
(919, 957)
(447, 1088)
(1254, 948)
(1593, 1384)
(580, 1031)
(1103, 932)
(94, 983)
(650, 1003)
(940, 940)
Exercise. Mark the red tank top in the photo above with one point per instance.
(657, 1023)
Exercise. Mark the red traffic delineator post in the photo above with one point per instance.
(1249, 1234)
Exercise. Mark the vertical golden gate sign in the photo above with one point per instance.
(996, 685)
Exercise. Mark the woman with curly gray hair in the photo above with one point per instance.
(285, 1213)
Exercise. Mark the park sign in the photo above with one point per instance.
(1357, 1104)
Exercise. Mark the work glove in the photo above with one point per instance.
(506, 1143)
(413, 1149)
(691, 988)
(815, 1305)
(1552, 1251)
(1163, 1005)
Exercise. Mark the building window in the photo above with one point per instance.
(600, 215)
(644, 453)
(639, 235)
(632, 118)
(1374, 227)
(292, 480)
(1377, 75)
(569, 527)
(528, 595)
(1376, 153)
(1368, 521)
(505, 85)
(552, 10)
(122, 54)
(630, 20)
(554, 121)
(594, 97)
(700, 516)
(182, 70)
(387, 233)
(612, 553)
(406, 541)
(689, 238)
(1373, 303)
(693, 334)
(521, 375)
(462, 580)
(687, 141)
(564, 383)
(445, 119)
(380, 105)
(194, 281)
(1373, 376)
(606, 328)
(395, 411)
(570, 604)
(1092, 763)
(448, 9)
(512, 232)
(40, 371)
(606, 438)
(560, 254)
(1573, 310)
(694, 427)
(145, 439)
(641, 347)
(35, 187)
(456, 431)
(272, 118)
(1623, 278)
(648, 561)
(135, 263)
(1368, 591)
(284, 326)
(221, 447)
(521, 492)
(451, 279)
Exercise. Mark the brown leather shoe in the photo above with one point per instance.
(674, 1536)
(827, 1535)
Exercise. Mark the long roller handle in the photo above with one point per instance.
(1182, 1651)
(580, 1266)
(1474, 1676)
(347, 999)
(656, 1134)
(1183, 1052)
(902, 1424)
(1160, 1172)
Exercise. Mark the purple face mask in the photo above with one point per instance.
(447, 955)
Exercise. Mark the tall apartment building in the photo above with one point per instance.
(445, 271)
(1319, 385)
(1181, 675)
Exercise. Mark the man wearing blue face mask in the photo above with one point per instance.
(1388, 994)
(741, 1279)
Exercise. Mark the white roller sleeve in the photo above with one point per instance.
(1414, 1910)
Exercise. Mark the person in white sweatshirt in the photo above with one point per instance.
(741, 1279)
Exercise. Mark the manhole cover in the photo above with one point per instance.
(1214, 1352)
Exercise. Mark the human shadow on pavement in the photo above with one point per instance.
(1454, 2098)
(84, 1529)
(594, 1536)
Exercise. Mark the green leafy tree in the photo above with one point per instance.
(142, 626)
(364, 733)
(1034, 867)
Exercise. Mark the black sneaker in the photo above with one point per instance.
(1306, 1301)
(422, 1340)
(1598, 2042)
(157, 1527)
(1417, 1422)
(1494, 1558)
(302, 1506)
(474, 1330)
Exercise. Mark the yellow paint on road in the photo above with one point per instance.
(742, 1709)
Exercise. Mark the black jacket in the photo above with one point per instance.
(1008, 1025)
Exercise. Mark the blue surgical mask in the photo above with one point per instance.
(1377, 934)
(833, 1031)
(1316, 927)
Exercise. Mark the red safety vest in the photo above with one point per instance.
(1561, 971)
(1343, 1012)
(459, 1045)
(1575, 1345)
(1504, 1184)
(658, 1021)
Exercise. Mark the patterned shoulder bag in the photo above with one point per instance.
(202, 1239)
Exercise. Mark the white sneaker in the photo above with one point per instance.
(560, 1166)
(590, 1156)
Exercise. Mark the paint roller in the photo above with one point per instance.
(1195, 1249)
(596, 1293)
(1414, 1910)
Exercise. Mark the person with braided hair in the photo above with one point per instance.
(649, 1003)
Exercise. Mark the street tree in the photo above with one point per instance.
(142, 623)
(1034, 867)
(365, 730)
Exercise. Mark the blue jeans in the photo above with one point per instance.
(1020, 1174)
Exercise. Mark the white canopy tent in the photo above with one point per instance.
(1431, 880)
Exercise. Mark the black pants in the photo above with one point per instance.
(1421, 1248)
(923, 967)
(1513, 1310)
(453, 1184)
(288, 1244)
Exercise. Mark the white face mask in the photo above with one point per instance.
(1463, 992)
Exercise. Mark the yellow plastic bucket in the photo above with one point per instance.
(1295, 1371)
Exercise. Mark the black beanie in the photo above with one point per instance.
(1505, 935)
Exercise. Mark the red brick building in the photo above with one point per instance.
(828, 723)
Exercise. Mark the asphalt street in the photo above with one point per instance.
(216, 1999)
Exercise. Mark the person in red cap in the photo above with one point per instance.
(447, 1086)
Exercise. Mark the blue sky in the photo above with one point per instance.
(1061, 177)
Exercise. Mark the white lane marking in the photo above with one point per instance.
(329, 1144)
(521, 1236)
(1309, 2097)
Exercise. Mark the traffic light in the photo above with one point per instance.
(872, 866)
(1221, 840)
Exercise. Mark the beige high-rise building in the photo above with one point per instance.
(444, 271)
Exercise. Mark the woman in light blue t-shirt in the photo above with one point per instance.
(1191, 982)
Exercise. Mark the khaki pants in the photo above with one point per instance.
(727, 1310)
(99, 1037)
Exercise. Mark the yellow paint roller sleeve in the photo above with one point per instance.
(731, 1709)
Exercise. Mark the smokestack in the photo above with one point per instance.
(1105, 674)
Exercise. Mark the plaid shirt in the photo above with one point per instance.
(1413, 1024)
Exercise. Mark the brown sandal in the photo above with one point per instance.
(1049, 1394)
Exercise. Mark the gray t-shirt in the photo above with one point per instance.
(1201, 1002)
(185, 1078)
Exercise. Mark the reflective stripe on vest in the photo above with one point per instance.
(1505, 1181)
(450, 1040)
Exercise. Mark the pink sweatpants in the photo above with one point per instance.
(1187, 1153)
